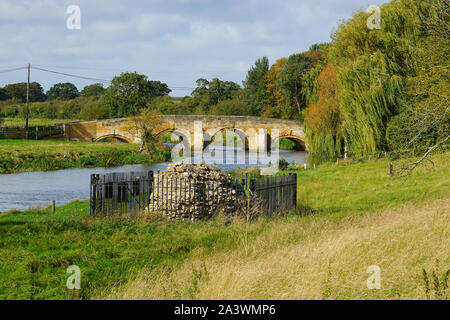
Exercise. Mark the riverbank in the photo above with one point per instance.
(348, 218)
(44, 155)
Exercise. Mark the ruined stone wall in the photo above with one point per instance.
(192, 192)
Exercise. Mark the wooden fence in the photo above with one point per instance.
(118, 194)
(35, 132)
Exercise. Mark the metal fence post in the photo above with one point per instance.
(151, 181)
(93, 199)
(295, 184)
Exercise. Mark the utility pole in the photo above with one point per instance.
(28, 103)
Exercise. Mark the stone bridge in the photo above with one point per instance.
(195, 131)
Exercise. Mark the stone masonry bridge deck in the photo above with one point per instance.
(196, 131)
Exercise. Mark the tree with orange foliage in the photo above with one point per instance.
(275, 98)
(322, 121)
(316, 56)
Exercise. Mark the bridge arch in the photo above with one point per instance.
(210, 136)
(112, 136)
(184, 136)
(300, 144)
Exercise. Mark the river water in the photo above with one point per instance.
(37, 189)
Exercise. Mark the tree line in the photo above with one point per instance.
(267, 91)
(367, 91)
(124, 97)
(383, 90)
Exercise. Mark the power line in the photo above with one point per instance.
(72, 75)
(11, 70)
(74, 67)
(99, 80)
(124, 70)
(175, 88)
(14, 66)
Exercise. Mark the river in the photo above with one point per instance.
(37, 189)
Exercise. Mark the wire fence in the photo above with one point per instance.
(35, 132)
(129, 194)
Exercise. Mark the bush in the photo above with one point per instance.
(166, 105)
(71, 109)
(404, 137)
(232, 107)
(90, 108)
(283, 164)
(10, 111)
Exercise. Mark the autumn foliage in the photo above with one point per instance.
(275, 100)
(323, 118)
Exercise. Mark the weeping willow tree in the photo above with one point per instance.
(423, 126)
(369, 98)
(373, 67)
(310, 86)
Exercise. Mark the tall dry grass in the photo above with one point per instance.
(314, 259)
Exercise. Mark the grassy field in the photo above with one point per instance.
(298, 259)
(16, 122)
(31, 155)
(349, 218)
(37, 246)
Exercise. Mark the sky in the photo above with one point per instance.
(173, 41)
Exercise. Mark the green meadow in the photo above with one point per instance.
(150, 257)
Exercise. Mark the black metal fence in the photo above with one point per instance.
(189, 199)
(276, 193)
(120, 193)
